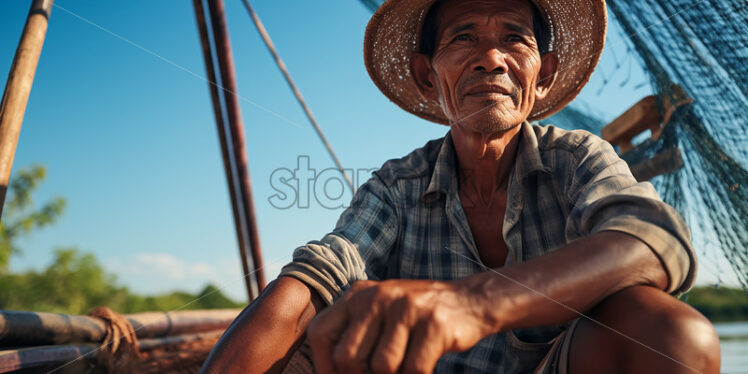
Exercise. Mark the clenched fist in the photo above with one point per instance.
(396, 326)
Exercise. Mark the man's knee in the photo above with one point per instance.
(642, 329)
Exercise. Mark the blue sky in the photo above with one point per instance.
(128, 136)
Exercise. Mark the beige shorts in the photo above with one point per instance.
(555, 362)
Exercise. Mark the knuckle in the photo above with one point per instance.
(438, 316)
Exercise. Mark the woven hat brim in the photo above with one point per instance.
(577, 29)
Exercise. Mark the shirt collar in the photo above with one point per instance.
(444, 176)
(528, 159)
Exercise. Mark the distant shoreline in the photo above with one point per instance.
(722, 304)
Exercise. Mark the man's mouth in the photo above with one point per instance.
(488, 90)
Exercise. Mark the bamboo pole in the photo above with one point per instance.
(46, 359)
(39, 328)
(79, 357)
(18, 87)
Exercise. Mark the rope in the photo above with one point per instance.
(296, 92)
(120, 345)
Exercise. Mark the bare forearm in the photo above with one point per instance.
(265, 335)
(551, 289)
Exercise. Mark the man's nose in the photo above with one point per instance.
(490, 59)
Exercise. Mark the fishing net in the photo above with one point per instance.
(702, 46)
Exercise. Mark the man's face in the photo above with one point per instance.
(486, 63)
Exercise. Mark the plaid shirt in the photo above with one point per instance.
(407, 221)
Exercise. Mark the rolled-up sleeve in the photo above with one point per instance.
(356, 249)
(606, 197)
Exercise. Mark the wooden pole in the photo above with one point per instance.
(250, 251)
(18, 88)
(241, 161)
(223, 136)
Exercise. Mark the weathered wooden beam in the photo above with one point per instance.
(642, 116)
(31, 328)
(18, 87)
(156, 324)
(645, 115)
(46, 359)
(156, 343)
(664, 162)
(188, 350)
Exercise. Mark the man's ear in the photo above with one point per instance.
(420, 66)
(547, 74)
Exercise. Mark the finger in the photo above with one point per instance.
(392, 343)
(323, 332)
(352, 350)
(424, 349)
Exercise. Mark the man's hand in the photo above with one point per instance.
(396, 325)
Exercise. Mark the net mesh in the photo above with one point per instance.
(701, 45)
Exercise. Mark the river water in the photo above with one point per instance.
(733, 338)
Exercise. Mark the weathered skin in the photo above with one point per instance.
(487, 73)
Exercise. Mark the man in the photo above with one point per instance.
(503, 247)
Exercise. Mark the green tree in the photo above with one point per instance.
(75, 282)
(212, 298)
(19, 217)
(719, 304)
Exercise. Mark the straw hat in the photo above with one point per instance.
(577, 29)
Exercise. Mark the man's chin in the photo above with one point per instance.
(490, 122)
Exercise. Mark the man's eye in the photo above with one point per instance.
(462, 38)
(514, 38)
